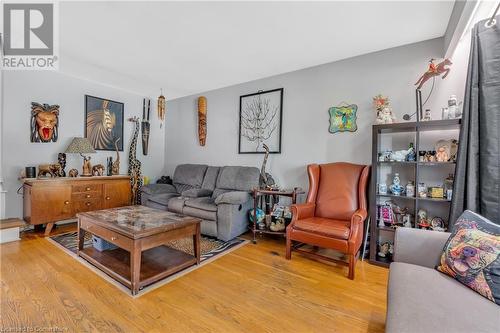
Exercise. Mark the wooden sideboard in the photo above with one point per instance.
(49, 200)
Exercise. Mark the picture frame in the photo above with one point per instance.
(261, 117)
(104, 120)
(343, 118)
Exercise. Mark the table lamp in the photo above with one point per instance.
(82, 146)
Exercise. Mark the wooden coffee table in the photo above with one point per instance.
(140, 234)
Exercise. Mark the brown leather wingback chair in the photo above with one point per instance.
(334, 213)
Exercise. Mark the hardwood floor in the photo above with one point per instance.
(252, 289)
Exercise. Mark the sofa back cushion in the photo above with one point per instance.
(337, 196)
(210, 179)
(188, 176)
(236, 178)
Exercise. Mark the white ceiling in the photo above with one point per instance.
(187, 48)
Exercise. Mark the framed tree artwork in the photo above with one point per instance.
(104, 123)
(261, 115)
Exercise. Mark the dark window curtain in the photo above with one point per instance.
(477, 180)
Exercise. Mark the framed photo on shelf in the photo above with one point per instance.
(261, 115)
(104, 123)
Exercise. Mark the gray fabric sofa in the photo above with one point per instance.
(186, 177)
(221, 197)
(421, 299)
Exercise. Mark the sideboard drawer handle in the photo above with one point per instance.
(108, 198)
(87, 203)
(66, 202)
(87, 189)
(87, 196)
(113, 238)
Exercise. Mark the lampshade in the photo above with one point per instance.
(80, 146)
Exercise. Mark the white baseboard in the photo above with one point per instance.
(9, 235)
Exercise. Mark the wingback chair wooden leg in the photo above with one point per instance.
(352, 266)
(288, 254)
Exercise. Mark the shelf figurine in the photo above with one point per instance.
(384, 111)
(396, 187)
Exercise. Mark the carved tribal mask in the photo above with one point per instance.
(44, 122)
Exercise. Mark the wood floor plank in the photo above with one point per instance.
(252, 289)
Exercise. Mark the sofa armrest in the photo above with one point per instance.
(419, 247)
(153, 189)
(233, 198)
(196, 193)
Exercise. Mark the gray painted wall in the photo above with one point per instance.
(308, 94)
(20, 88)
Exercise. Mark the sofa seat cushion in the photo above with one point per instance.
(204, 203)
(163, 198)
(199, 213)
(326, 227)
(422, 299)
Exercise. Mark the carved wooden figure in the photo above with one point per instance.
(134, 165)
(161, 108)
(98, 170)
(434, 70)
(49, 169)
(202, 120)
(116, 164)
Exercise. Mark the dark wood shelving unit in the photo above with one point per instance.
(405, 127)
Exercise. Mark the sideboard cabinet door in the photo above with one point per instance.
(116, 194)
(50, 203)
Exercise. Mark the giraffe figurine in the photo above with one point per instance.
(134, 165)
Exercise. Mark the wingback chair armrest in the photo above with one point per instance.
(356, 229)
(302, 211)
(359, 216)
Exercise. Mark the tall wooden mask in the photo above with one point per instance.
(44, 122)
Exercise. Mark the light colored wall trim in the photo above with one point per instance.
(462, 13)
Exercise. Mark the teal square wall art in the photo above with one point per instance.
(343, 118)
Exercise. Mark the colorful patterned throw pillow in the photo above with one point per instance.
(472, 255)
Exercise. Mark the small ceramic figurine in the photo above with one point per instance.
(382, 188)
(385, 116)
(73, 173)
(98, 170)
(437, 224)
(384, 111)
(421, 156)
(407, 221)
(423, 223)
(410, 189)
(399, 155)
(396, 187)
(427, 115)
(422, 190)
(442, 155)
(411, 155)
(278, 225)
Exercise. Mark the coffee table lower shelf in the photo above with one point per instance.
(156, 263)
